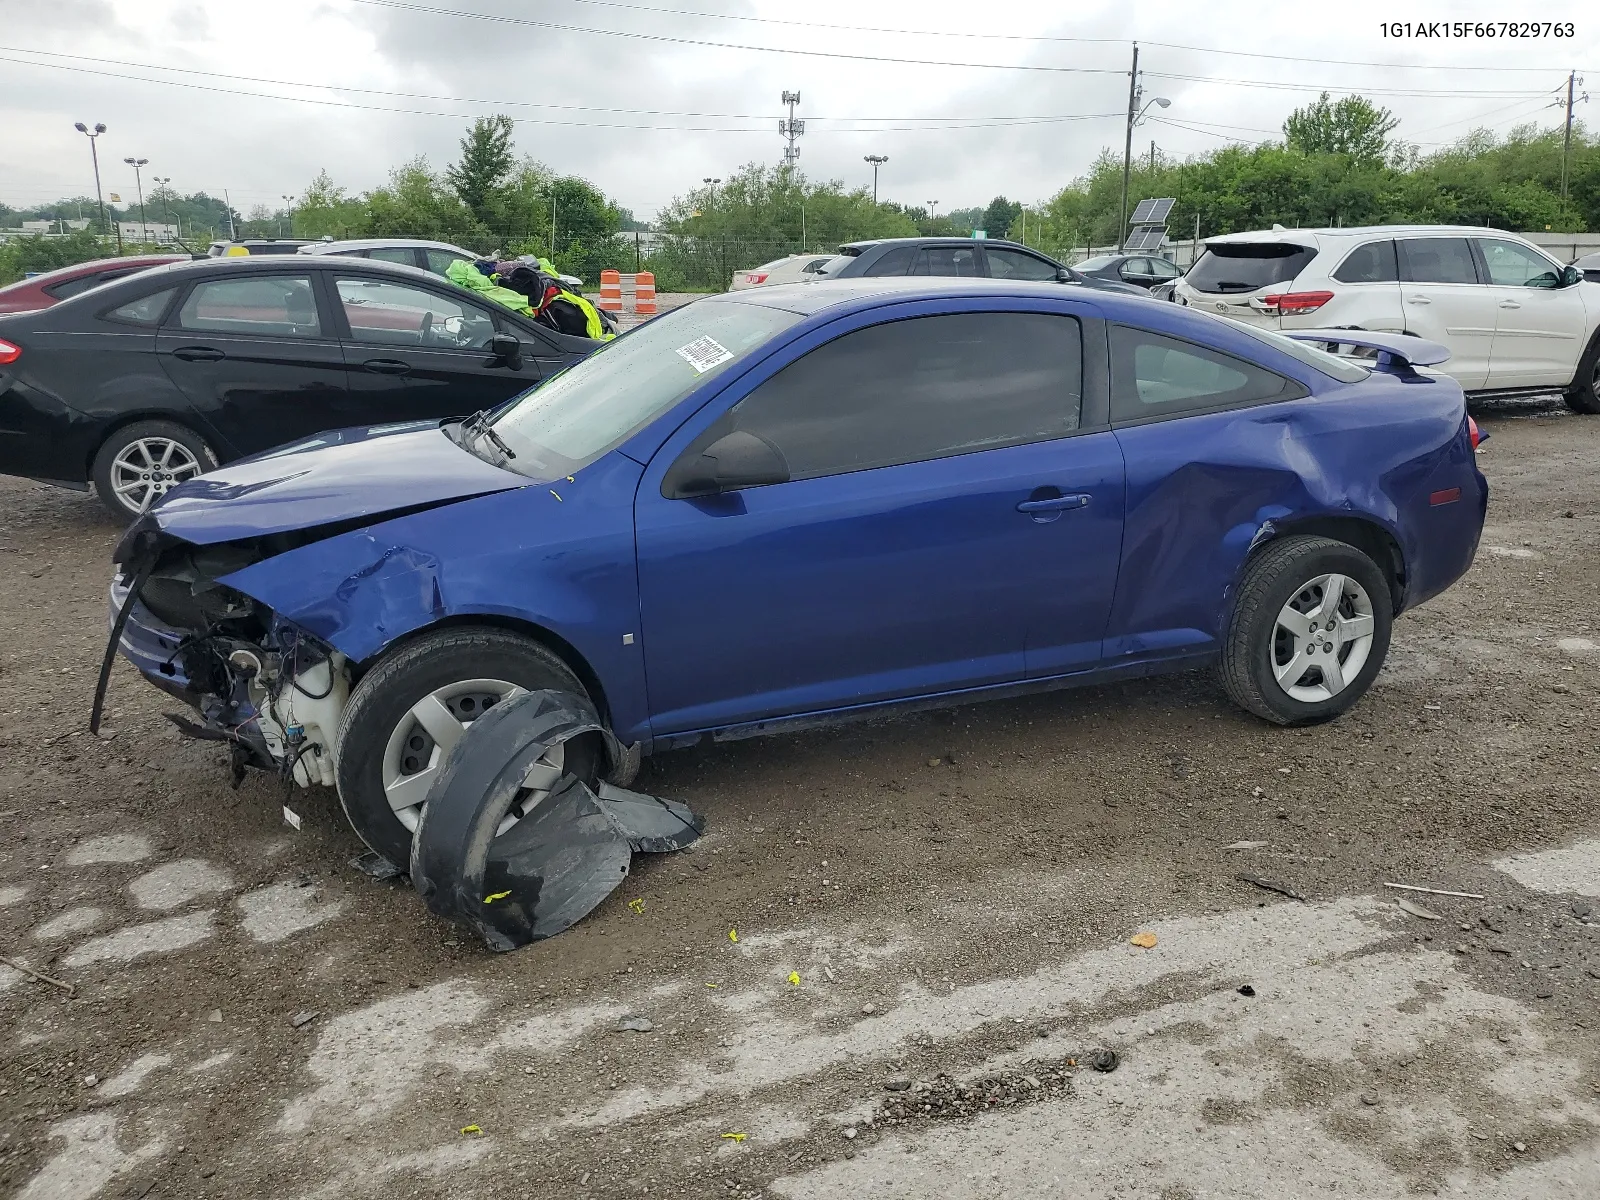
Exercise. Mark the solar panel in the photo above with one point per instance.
(1145, 239)
(1152, 212)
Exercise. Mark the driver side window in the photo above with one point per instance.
(398, 314)
(1512, 265)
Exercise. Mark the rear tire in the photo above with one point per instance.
(382, 743)
(1308, 633)
(140, 463)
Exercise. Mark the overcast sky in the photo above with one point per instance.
(533, 56)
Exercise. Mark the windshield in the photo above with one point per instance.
(1094, 264)
(596, 404)
(1246, 266)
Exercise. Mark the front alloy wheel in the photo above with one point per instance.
(1322, 638)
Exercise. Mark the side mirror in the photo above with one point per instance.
(733, 462)
(1063, 275)
(1570, 276)
(506, 346)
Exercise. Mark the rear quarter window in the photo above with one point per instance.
(1373, 262)
(1247, 266)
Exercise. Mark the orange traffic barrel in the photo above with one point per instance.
(610, 291)
(644, 295)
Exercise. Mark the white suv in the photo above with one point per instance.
(1514, 319)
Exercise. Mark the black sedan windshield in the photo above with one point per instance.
(595, 405)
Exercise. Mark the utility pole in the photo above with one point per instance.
(1566, 140)
(877, 160)
(232, 236)
(790, 130)
(136, 163)
(166, 196)
(1152, 156)
(94, 154)
(552, 223)
(1127, 146)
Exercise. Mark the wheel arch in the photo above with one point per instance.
(1370, 537)
(546, 637)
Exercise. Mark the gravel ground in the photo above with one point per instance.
(954, 893)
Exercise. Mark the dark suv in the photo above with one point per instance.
(978, 258)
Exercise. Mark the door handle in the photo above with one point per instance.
(1053, 503)
(387, 366)
(1418, 300)
(1509, 304)
(198, 353)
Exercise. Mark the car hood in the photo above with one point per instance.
(346, 475)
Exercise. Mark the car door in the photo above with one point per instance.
(255, 355)
(1006, 263)
(952, 520)
(1539, 325)
(1202, 475)
(415, 353)
(1138, 272)
(1445, 302)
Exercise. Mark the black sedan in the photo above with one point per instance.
(1141, 270)
(978, 258)
(138, 385)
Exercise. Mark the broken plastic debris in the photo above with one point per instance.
(493, 896)
(733, 935)
(794, 978)
(471, 1131)
(376, 865)
(304, 1017)
(1245, 846)
(290, 817)
(713, 985)
(570, 850)
(1416, 910)
(637, 905)
(733, 1137)
(1146, 940)
(1269, 885)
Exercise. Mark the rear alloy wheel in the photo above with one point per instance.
(1309, 631)
(1585, 395)
(409, 711)
(141, 463)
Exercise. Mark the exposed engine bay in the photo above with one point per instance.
(269, 689)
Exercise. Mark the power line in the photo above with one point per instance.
(966, 35)
(996, 123)
(1454, 93)
(405, 6)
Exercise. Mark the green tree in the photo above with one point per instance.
(998, 216)
(486, 161)
(1353, 126)
(38, 253)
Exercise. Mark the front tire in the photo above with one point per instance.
(1308, 633)
(409, 711)
(140, 463)
(1585, 394)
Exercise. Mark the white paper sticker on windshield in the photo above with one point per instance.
(704, 353)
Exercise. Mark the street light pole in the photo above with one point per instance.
(136, 163)
(289, 204)
(1134, 117)
(877, 160)
(166, 193)
(933, 210)
(94, 154)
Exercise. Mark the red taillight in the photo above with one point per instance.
(9, 353)
(1472, 432)
(1297, 302)
(752, 278)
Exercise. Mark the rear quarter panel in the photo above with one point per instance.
(1203, 491)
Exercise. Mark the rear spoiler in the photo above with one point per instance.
(1398, 353)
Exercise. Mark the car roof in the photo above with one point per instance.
(278, 264)
(1354, 231)
(808, 299)
(940, 241)
(94, 265)
(380, 244)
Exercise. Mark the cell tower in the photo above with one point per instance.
(791, 129)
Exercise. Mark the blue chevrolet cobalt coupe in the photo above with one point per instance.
(798, 504)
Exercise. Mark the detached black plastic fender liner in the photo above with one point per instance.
(561, 859)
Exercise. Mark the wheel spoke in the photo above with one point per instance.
(1332, 673)
(442, 724)
(410, 790)
(541, 776)
(1332, 594)
(1295, 621)
(166, 455)
(1289, 674)
(125, 489)
(1351, 628)
(144, 453)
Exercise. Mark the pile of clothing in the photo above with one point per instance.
(534, 290)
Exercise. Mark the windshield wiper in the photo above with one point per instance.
(478, 423)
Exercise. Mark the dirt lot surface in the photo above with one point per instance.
(939, 896)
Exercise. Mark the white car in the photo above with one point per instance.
(1514, 319)
(413, 252)
(791, 268)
